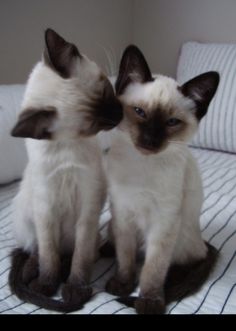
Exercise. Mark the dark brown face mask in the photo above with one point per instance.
(153, 132)
(105, 111)
(60, 55)
(109, 109)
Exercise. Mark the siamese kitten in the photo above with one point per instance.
(155, 186)
(68, 100)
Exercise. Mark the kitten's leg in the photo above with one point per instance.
(76, 289)
(123, 283)
(161, 239)
(48, 280)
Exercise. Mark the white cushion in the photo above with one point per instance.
(13, 156)
(218, 129)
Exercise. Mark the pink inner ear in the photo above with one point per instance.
(133, 68)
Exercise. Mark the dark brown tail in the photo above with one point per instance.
(19, 258)
(184, 280)
(107, 250)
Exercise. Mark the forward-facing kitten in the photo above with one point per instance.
(155, 186)
(68, 100)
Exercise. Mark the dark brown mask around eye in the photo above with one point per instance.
(156, 130)
(108, 114)
(152, 135)
(105, 113)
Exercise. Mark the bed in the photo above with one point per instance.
(215, 150)
(218, 224)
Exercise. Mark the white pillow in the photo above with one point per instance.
(13, 157)
(218, 128)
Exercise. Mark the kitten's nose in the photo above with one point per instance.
(148, 140)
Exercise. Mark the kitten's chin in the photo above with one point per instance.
(151, 150)
(146, 151)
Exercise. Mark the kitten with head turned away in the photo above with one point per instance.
(155, 186)
(68, 100)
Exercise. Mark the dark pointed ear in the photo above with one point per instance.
(201, 90)
(133, 68)
(59, 54)
(35, 123)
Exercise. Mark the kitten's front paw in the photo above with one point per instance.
(117, 287)
(45, 286)
(76, 294)
(149, 306)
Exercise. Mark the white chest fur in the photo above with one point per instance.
(160, 192)
(141, 182)
(59, 178)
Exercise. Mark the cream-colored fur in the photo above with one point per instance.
(156, 198)
(154, 189)
(63, 189)
(154, 183)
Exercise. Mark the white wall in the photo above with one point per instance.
(158, 27)
(161, 26)
(91, 24)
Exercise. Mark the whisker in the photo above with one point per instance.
(111, 62)
(177, 142)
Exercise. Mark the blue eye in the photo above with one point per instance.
(140, 112)
(173, 122)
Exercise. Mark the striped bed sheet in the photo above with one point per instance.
(218, 224)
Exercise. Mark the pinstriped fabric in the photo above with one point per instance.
(218, 224)
(217, 129)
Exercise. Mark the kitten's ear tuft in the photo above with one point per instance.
(59, 54)
(133, 68)
(35, 123)
(201, 90)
